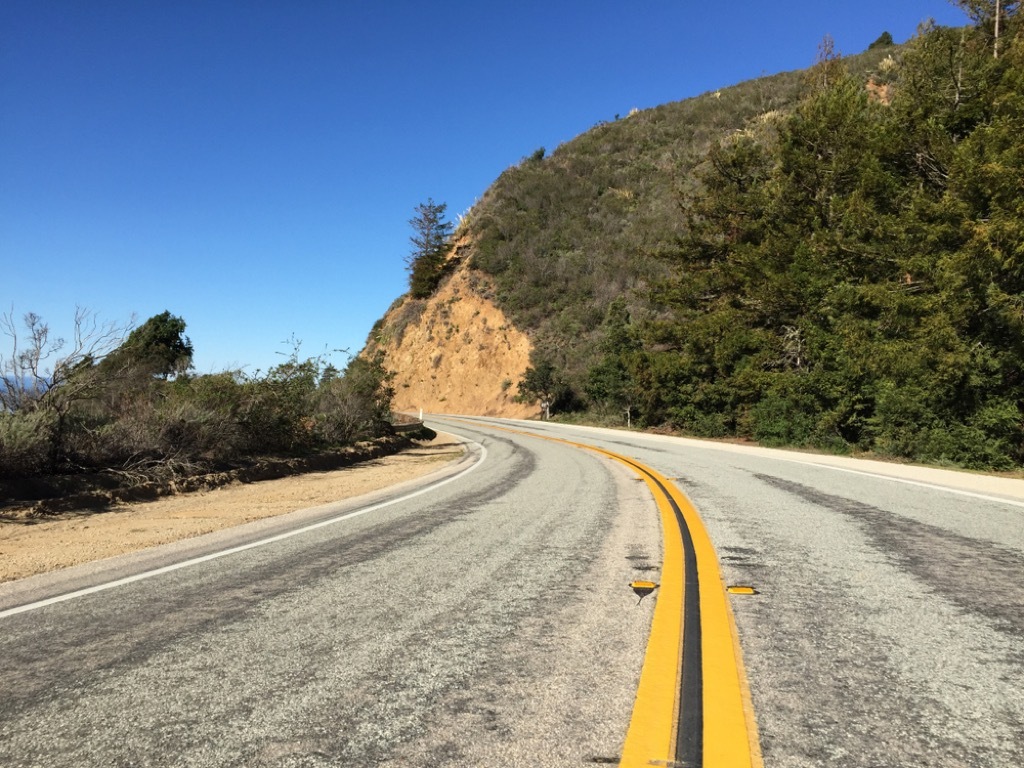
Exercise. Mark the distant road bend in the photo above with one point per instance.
(486, 619)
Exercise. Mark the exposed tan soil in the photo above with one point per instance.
(38, 545)
(455, 352)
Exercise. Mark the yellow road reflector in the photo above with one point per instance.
(741, 589)
(643, 588)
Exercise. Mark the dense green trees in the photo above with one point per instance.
(851, 276)
(543, 384)
(159, 347)
(840, 267)
(884, 40)
(611, 384)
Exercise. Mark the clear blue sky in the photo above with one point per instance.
(251, 165)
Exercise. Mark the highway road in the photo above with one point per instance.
(888, 628)
(485, 618)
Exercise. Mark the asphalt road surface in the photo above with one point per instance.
(889, 625)
(486, 620)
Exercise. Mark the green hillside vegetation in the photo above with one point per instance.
(564, 235)
(130, 404)
(794, 259)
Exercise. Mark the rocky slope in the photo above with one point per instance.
(454, 352)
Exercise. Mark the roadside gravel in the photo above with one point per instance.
(29, 547)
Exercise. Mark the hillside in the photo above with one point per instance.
(465, 348)
(454, 352)
(826, 258)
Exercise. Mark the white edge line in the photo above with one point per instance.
(877, 475)
(711, 445)
(242, 548)
(918, 483)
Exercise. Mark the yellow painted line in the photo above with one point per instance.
(651, 736)
(730, 728)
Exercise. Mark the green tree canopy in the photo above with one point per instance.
(543, 384)
(884, 40)
(159, 346)
(431, 242)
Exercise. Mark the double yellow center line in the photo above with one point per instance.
(692, 706)
(684, 716)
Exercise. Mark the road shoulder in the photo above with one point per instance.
(43, 546)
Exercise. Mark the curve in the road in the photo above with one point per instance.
(261, 542)
(693, 704)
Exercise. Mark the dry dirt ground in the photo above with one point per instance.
(456, 352)
(40, 545)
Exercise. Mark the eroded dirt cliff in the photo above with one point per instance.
(455, 352)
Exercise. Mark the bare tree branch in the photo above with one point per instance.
(39, 365)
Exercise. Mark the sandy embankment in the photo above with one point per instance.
(42, 545)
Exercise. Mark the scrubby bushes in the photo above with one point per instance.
(136, 408)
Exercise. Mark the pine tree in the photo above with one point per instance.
(990, 12)
(431, 242)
